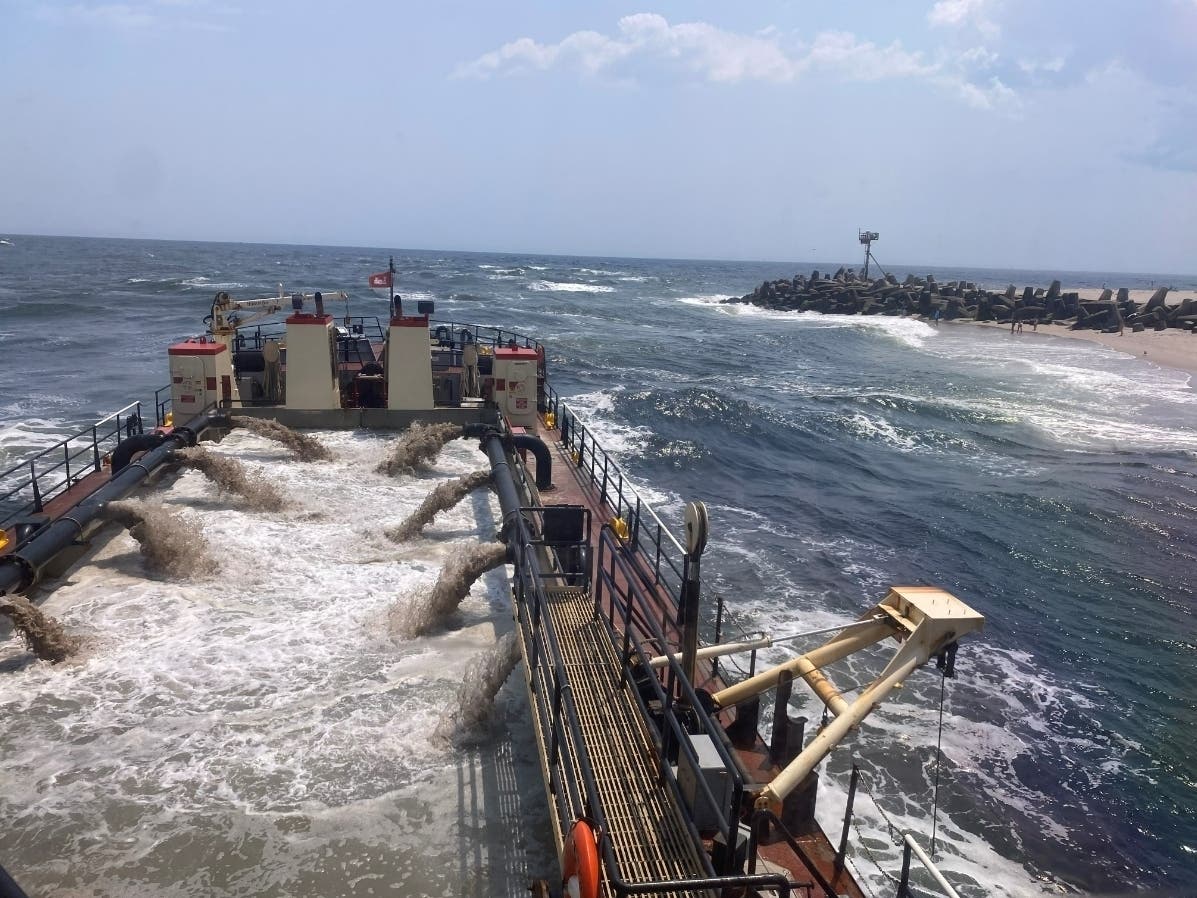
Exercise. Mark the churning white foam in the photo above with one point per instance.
(876, 427)
(619, 440)
(262, 728)
(568, 287)
(33, 434)
(1080, 395)
(212, 285)
(911, 331)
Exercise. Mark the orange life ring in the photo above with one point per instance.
(581, 861)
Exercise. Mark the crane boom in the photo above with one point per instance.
(229, 314)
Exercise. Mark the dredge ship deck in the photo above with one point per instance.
(628, 741)
(619, 745)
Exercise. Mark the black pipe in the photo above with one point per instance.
(478, 431)
(544, 461)
(9, 887)
(18, 570)
(124, 452)
(509, 499)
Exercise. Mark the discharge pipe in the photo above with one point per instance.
(504, 483)
(488, 433)
(544, 461)
(19, 570)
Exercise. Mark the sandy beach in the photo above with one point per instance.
(1172, 348)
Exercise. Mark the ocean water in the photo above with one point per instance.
(259, 733)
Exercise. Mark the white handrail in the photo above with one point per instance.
(908, 838)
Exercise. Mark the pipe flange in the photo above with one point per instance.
(28, 574)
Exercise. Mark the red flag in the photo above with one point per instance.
(382, 279)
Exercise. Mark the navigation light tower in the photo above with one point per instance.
(867, 238)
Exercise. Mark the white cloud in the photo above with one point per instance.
(1055, 64)
(710, 52)
(716, 54)
(963, 14)
(863, 61)
(991, 95)
(978, 58)
(720, 56)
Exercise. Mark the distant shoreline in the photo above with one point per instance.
(1171, 348)
(1140, 322)
(1175, 349)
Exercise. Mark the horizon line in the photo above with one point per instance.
(562, 255)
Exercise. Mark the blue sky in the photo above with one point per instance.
(1005, 133)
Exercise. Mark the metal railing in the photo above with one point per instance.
(670, 687)
(162, 400)
(26, 487)
(572, 781)
(651, 538)
(254, 337)
(373, 328)
(459, 334)
(647, 532)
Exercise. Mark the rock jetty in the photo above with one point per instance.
(846, 293)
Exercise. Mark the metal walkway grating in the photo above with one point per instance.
(649, 839)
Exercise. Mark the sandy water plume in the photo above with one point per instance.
(231, 476)
(442, 498)
(427, 611)
(302, 446)
(43, 634)
(483, 679)
(170, 545)
(418, 447)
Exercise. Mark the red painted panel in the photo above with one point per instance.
(302, 318)
(523, 355)
(187, 347)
